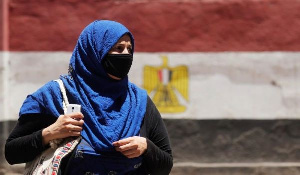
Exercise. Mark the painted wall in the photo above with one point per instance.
(242, 57)
(219, 85)
(159, 26)
(1, 25)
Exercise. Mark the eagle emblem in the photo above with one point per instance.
(165, 85)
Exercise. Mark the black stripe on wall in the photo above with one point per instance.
(225, 141)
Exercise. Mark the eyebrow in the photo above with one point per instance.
(122, 44)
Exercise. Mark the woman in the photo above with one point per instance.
(122, 131)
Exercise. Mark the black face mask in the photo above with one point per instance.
(117, 65)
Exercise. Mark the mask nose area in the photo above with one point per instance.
(117, 65)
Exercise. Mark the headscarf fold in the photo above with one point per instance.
(112, 109)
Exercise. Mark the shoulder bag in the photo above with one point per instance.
(48, 162)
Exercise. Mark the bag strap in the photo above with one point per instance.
(64, 94)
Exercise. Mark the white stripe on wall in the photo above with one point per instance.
(222, 85)
(5, 85)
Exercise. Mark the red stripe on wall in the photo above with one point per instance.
(5, 25)
(187, 26)
(1, 25)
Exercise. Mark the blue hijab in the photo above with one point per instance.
(112, 109)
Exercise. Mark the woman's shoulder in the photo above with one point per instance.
(49, 86)
(52, 85)
(45, 97)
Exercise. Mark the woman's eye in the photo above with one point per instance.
(130, 50)
(119, 49)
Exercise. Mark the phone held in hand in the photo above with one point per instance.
(73, 108)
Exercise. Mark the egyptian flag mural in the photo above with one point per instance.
(225, 74)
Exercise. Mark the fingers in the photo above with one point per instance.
(131, 153)
(129, 150)
(73, 128)
(74, 119)
(68, 125)
(127, 147)
(75, 122)
(131, 147)
(75, 133)
(76, 116)
(123, 141)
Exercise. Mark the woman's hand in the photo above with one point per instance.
(65, 126)
(131, 147)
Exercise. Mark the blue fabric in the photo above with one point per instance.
(86, 161)
(112, 109)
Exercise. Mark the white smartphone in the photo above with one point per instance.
(71, 108)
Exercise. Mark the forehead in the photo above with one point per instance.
(124, 39)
